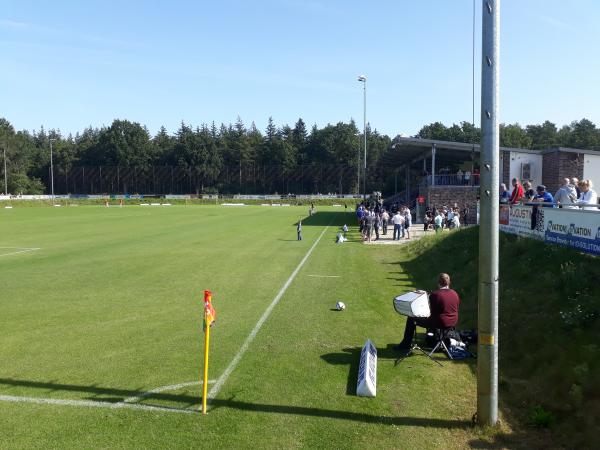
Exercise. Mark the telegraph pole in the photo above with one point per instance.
(487, 348)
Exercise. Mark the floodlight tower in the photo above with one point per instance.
(363, 80)
(51, 168)
(5, 176)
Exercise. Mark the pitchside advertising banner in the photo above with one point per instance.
(571, 228)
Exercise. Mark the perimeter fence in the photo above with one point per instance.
(161, 180)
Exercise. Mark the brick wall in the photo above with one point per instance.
(439, 196)
(559, 165)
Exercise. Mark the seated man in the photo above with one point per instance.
(443, 304)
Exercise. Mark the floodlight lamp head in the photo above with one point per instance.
(362, 78)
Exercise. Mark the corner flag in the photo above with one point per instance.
(209, 318)
(209, 312)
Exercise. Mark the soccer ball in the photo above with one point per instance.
(340, 306)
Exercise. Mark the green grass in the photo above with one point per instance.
(110, 307)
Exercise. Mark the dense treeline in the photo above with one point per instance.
(210, 150)
(581, 134)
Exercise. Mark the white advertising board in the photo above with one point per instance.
(580, 230)
(366, 385)
(517, 220)
(575, 228)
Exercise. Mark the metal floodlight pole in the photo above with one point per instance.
(487, 354)
(51, 169)
(358, 172)
(363, 80)
(5, 176)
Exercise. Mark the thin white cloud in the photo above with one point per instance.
(13, 24)
(313, 7)
(557, 23)
(93, 39)
(25, 26)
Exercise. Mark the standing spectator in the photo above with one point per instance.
(385, 217)
(370, 224)
(459, 177)
(427, 221)
(377, 225)
(504, 198)
(467, 177)
(476, 176)
(566, 195)
(398, 221)
(588, 195)
(544, 196)
(407, 222)
(455, 220)
(438, 222)
(465, 214)
(360, 212)
(529, 192)
(575, 182)
(517, 193)
(449, 217)
(299, 230)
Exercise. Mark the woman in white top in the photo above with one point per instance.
(587, 196)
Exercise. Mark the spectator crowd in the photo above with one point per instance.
(573, 194)
(375, 220)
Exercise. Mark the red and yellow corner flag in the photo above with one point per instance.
(209, 312)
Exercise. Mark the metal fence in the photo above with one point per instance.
(160, 180)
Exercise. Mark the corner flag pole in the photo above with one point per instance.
(209, 317)
(487, 349)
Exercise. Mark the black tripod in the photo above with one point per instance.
(413, 348)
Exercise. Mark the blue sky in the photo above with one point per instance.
(69, 64)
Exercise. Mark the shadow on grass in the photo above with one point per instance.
(115, 395)
(332, 218)
(351, 357)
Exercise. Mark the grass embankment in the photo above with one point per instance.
(548, 331)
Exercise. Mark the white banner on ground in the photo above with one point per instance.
(367, 371)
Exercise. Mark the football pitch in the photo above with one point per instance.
(101, 314)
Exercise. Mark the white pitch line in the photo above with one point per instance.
(91, 404)
(324, 276)
(236, 359)
(172, 387)
(23, 250)
(128, 403)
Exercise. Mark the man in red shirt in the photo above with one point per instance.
(443, 304)
(517, 193)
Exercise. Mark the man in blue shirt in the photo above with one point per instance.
(544, 197)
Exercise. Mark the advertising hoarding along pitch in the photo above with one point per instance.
(568, 227)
